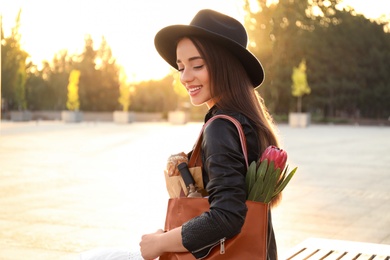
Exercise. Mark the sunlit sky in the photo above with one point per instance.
(48, 26)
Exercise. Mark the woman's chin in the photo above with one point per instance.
(196, 103)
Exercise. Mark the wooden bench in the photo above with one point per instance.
(329, 249)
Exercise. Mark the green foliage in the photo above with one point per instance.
(154, 96)
(160, 96)
(37, 92)
(56, 75)
(99, 81)
(346, 56)
(125, 91)
(264, 182)
(20, 87)
(73, 103)
(300, 86)
(348, 71)
(177, 86)
(179, 89)
(13, 64)
(124, 96)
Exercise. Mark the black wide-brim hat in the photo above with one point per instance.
(218, 27)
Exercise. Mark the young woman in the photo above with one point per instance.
(217, 70)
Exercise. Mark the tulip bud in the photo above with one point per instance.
(275, 154)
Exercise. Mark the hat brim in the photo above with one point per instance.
(166, 40)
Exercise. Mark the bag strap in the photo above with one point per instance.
(196, 159)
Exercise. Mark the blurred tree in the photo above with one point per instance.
(180, 90)
(300, 86)
(13, 69)
(346, 75)
(342, 69)
(56, 74)
(125, 90)
(160, 96)
(47, 87)
(259, 24)
(88, 79)
(37, 90)
(20, 87)
(99, 81)
(108, 83)
(275, 33)
(346, 57)
(73, 102)
(154, 96)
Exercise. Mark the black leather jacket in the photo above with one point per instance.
(224, 171)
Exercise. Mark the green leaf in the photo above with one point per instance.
(286, 181)
(280, 180)
(257, 187)
(250, 178)
(272, 184)
(262, 169)
(255, 192)
(267, 180)
(268, 175)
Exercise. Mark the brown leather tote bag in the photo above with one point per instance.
(250, 243)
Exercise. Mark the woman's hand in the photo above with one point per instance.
(173, 161)
(155, 244)
(151, 246)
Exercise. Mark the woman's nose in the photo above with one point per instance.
(186, 76)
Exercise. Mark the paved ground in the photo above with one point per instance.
(66, 188)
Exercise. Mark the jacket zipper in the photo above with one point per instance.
(221, 250)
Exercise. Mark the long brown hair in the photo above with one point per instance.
(232, 89)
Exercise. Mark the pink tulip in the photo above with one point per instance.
(275, 154)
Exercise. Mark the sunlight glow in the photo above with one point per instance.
(129, 27)
(49, 26)
(370, 9)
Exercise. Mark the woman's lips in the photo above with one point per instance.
(194, 90)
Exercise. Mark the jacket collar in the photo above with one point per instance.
(212, 112)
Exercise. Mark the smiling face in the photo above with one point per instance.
(193, 73)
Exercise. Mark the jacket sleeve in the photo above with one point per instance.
(224, 162)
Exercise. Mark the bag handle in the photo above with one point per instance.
(196, 159)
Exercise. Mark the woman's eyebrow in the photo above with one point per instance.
(191, 59)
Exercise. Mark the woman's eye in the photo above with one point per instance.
(194, 67)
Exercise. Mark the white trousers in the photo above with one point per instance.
(110, 254)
